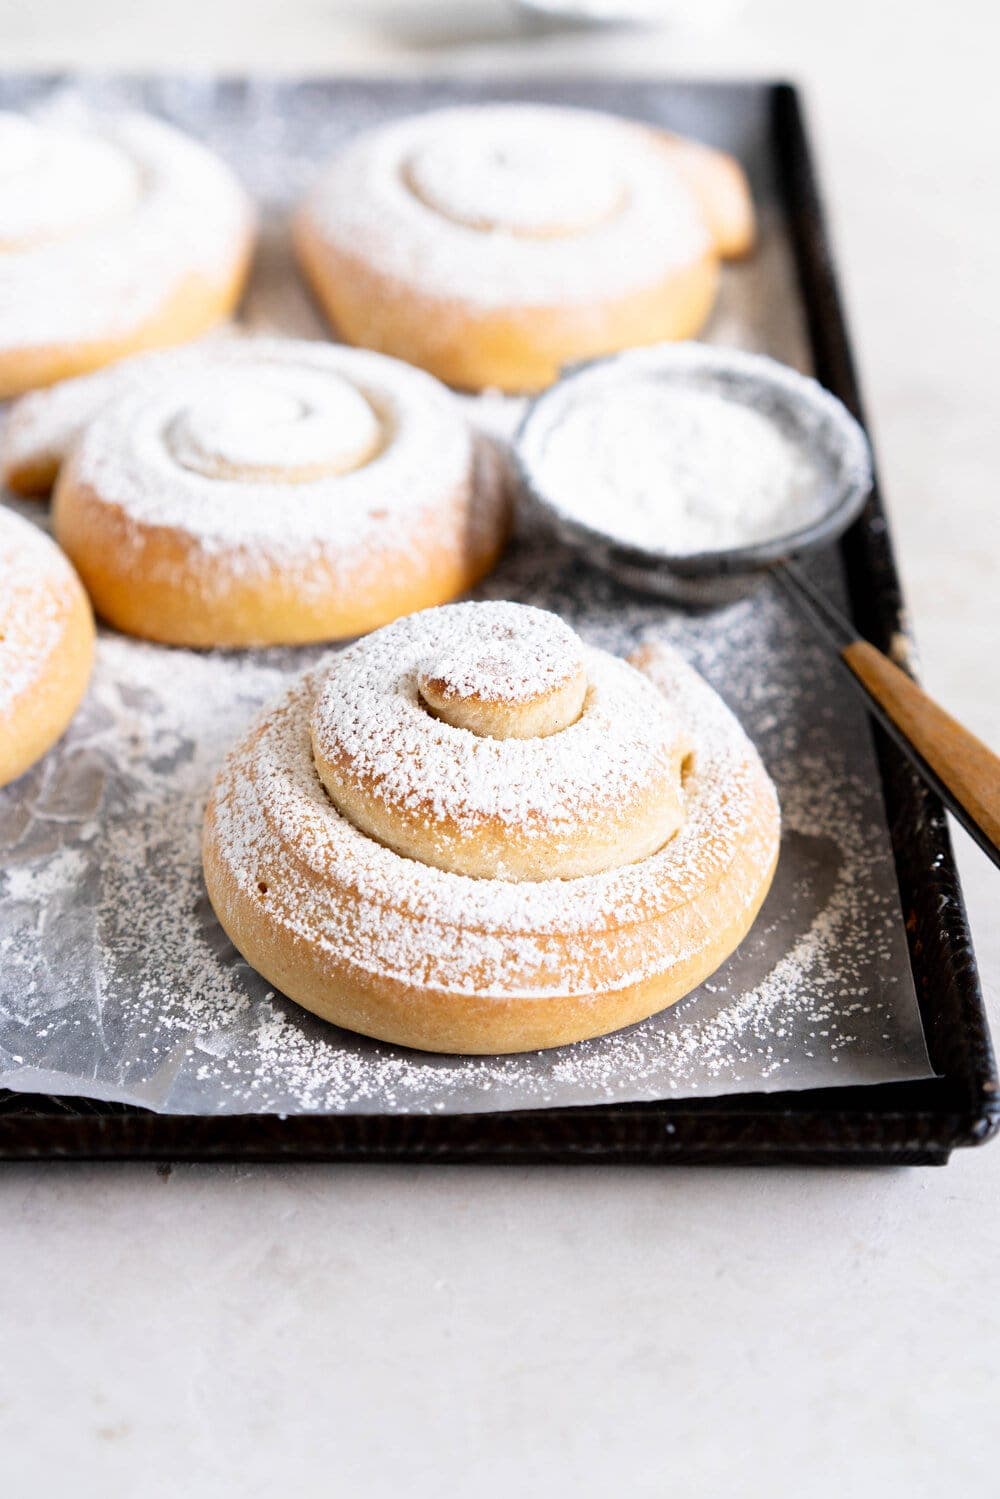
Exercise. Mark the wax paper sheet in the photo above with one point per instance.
(116, 981)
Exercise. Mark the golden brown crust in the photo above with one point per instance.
(513, 349)
(720, 185)
(192, 545)
(158, 583)
(35, 716)
(191, 309)
(120, 234)
(437, 961)
(32, 480)
(366, 252)
(429, 1019)
(530, 717)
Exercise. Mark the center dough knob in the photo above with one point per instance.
(531, 174)
(520, 676)
(275, 423)
(488, 741)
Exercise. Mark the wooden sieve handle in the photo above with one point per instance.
(963, 764)
(963, 771)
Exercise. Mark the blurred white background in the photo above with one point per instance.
(317, 1331)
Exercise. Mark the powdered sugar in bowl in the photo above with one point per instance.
(687, 470)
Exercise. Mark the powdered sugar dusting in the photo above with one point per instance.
(671, 450)
(118, 982)
(604, 212)
(681, 471)
(147, 208)
(171, 1017)
(502, 653)
(344, 454)
(34, 576)
(608, 774)
(41, 427)
(54, 182)
(528, 171)
(338, 888)
(265, 425)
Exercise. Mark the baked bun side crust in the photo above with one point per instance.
(191, 309)
(50, 628)
(119, 233)
(494, 244)
(267, 491)
(430, 1019)
(516, 350)
(720, 185)
(173, 592)
(434, 959)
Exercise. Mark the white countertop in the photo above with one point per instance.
(381, 1331)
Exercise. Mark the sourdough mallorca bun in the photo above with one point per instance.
(264, 491)
(116, 234)
(493, 244)
(46, 644)
(456, 889)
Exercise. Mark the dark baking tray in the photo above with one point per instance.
(904, 1123)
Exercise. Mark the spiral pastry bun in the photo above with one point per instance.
(263, 491)
(579, 843)
(492, 244)
(118, 235)
(46, 644)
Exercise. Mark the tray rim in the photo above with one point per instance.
(890, 1123)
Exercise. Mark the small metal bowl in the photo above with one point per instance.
(803, 411)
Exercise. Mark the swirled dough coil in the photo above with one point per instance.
(493, 244)
(117, 233)
(262, 491)
(451, 886)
